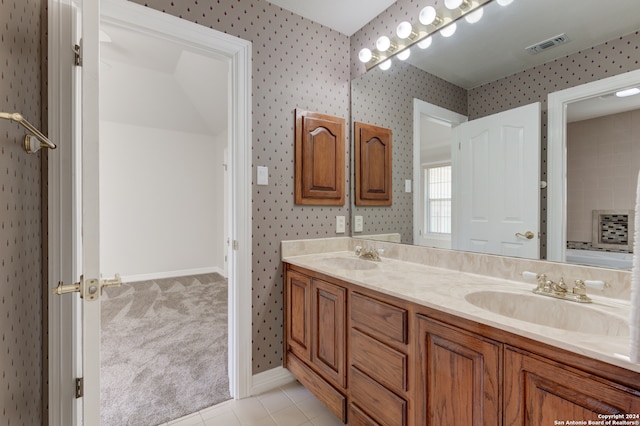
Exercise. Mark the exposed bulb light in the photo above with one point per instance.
(425, 43)
(449, 30)
(383, 44)
(474, 16)
(404, 55)
(429, 16)
(385, 65)
(628, 92)
(504, 2)
(454, 4)
(365, 55)
(404, 30)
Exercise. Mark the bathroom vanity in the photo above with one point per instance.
(402, 343)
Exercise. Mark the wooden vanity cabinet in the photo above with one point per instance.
(379, 361)
(460, 376)
(539, 391)
(315, 342)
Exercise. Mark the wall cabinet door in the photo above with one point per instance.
(298, 299)
(329, 344)
(539, 392)
(459, 376)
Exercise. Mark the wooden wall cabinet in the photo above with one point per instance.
(319, 159)
(373, 168)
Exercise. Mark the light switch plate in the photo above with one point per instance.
(357, 224)
(407, 185)
(340, 224)
(263, 175)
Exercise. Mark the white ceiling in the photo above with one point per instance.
(344, 16)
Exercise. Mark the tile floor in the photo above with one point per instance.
(289, 405)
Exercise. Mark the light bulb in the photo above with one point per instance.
(423, 44)
(385, 65)
(428, 15)
(449, 30)
(628, 92)
(453, 4)
(404, 55)
(474, 16)
(404, 30)
(365, 55)
(504, 2)
(383, 43)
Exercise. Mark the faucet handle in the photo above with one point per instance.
(358, 250)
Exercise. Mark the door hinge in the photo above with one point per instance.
(77, 53)
(235, 244)
(79, 387)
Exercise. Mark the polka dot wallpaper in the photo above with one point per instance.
(296, 64)
(21, 319)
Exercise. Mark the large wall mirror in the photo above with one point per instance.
(480, 72)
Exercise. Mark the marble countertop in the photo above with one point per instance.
(445, 290)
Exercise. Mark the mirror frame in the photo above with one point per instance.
(557, 103)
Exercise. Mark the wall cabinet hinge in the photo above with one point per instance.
(79, 387)
(77, 54)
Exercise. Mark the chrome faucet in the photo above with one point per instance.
(369, 253)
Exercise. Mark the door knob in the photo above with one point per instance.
(528, 235)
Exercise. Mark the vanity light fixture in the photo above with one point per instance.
(474, 16)
(407, 34)
(404, 55)
(449, 30)
(504, 2)
(454, 4)
(628, 92)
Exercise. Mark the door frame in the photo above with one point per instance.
(420, 108)
(557, 103)
(62, 197)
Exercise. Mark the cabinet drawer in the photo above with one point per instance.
(327, 394)
(381, 404)
(357, 417)
(379, 319)
(379, 361)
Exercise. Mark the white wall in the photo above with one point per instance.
(162, 178)
(162, 202)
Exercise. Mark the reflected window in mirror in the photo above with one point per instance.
(437, 197)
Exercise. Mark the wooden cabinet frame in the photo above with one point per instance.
(319, 159)
(373, 168)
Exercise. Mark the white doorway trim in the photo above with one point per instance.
(557, 153)
(62, 199)
(421, 108)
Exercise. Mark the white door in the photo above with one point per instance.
(496, 197)
(75, 198)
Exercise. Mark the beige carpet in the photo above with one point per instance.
(164, 349)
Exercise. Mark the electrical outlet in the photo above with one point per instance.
(357, 224)
(340, 224)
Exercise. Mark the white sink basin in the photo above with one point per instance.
(349, 263)
(541, 310)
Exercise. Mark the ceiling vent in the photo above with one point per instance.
(547, 44)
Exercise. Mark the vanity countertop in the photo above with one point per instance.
(445, 290)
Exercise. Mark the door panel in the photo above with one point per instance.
(496, 183)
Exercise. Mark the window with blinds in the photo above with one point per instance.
(438, 199)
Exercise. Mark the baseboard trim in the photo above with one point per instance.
(173, 274)
(270, 379)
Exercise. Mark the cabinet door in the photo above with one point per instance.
(539, 392)
(298, 314)
(459, 377)
(329, 345)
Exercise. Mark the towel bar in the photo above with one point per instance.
(29, 145)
